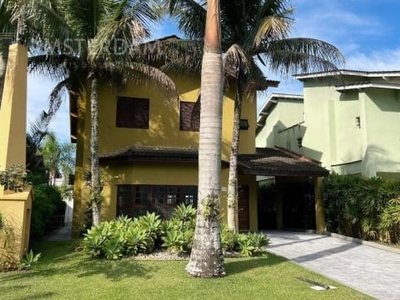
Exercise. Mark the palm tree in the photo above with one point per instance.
(6, 27)
(206, 258)
(254, 31)
(57, 157)
(79, 44)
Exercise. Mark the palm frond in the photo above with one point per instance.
(43, 19)
(142, 74)
(190, 16)
(292, 55)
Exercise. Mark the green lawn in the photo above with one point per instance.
(64, 274)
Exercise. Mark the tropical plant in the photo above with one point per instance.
(29, 259)
(253, 31)
(13, 178)
(47, 203)
(85, 45)
(185, 213)
(57, 157)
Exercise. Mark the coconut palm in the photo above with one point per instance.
(206, 258)
(254, 32)
(85, 44)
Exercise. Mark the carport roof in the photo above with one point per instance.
(280, 162)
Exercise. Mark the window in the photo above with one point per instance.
(132, 112)
(189, 116)
(137, 200)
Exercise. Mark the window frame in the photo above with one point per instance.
(132, 112)
(131, 207)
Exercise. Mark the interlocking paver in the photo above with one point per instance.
(373, 271)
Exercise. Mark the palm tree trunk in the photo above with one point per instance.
(233, 175)
(206, 259)
(95, 196)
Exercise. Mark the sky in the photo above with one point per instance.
(365, 31)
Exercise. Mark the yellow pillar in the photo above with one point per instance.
(15, 207)
(319, 207)
(13, 109)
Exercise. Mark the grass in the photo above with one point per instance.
(64, 274)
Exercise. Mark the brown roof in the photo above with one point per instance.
(279, 162)
(152, 153)
(265, 162)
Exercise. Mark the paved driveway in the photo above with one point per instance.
(373, 271)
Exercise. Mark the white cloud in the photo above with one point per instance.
(385, 60)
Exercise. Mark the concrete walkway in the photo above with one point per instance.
(370, 270)
(63, 233)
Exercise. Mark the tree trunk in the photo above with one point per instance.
(233, 175)
(95, 196)
(206, 259)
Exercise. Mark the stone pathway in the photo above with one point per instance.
(370, 270)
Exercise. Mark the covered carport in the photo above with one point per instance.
(289, 171)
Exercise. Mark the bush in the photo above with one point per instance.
(124, 236)
(46, 203)
(361, 207)
(251, 244)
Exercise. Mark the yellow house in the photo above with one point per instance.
(148, 151)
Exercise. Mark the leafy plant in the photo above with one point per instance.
(136, 240)
(13, 178)
(245, 245)
(251, 244)
(29, 259)
(228, 238)
(174, 241)
(185, 213)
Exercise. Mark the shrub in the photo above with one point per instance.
(355, 205)
(228, 239)
(251, 244)
(47, 200)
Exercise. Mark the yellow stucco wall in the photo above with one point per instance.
(16, 209)
(13, 109)
(163, 131)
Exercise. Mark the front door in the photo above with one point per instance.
(243, 207)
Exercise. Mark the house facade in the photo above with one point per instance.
(348, 120)
(148, 151)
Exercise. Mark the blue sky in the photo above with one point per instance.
(365, 31)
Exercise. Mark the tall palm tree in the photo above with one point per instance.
(206, 258)
(254, 32)
(6, 28)
(78, 43)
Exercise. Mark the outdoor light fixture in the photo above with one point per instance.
(244, 124)
(358, 122)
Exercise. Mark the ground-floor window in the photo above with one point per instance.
(137, 200)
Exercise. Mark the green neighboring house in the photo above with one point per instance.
(348, 120)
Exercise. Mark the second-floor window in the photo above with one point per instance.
(189, 116)
(132, 112)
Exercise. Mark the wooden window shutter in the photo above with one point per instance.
(132, 112)
(189, 117)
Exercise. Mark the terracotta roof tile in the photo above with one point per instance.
(266, 161)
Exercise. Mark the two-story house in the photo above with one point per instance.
(348, 120)
(148, 149)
